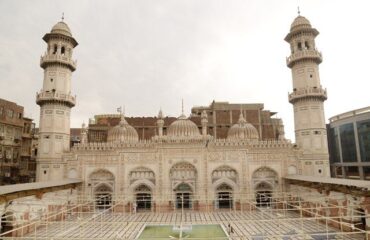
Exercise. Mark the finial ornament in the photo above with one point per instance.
(299, 12)
(182, 106)
(119, 110)
(62, 16)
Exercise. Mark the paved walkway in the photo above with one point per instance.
(255, 225)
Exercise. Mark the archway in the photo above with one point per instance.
(224, 172)
(102, 183)
(184, 196)
(224, 196)
(143, 198)
(103, 196)
(183, 178)
(264, 181)
(263, 194)
(72, 173)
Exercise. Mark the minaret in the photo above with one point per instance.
(204, 122)
(160, 123)
(83, 134)
(55, 100)
(308, 97)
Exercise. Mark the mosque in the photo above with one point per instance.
(184, 165)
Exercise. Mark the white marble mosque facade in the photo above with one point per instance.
(185, 160)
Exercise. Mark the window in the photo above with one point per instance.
(63, 50)
(334, 147)
(55, 49)
(363, 129)
(1, 110)
(366, 173)
(347, 141)
(299, 46)
(352, 172)
(306, 46)
(10, 113)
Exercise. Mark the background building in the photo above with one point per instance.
(221, 117)
(349, 144)
(16, 139)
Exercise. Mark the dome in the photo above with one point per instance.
(242, 130)
(183, 127)
(123, 132)
(62, 28)
(300, 22)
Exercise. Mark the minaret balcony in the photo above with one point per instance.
(308, 92)
(57, 58)
(302, 55)
(55, 97)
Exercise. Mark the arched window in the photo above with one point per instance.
(55, 49)
(299, 46)
(306, 45)
(63, 50)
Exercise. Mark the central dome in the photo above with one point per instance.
(183, 127)
(123, 132)
(242, 130)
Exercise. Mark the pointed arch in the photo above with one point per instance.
(227, 181)
(145, 182)
(223, 172)
(101, 174)
(103, 187)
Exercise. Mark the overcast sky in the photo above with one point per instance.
(147, 54)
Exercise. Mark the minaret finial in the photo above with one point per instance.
(182, 106)
(299, 12)
(119, 110)
(62, 16)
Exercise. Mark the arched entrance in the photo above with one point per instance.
(103, 196)
(143, 198)
(183, 196)
(183, 176)
(263, 194)
(264, 180)
(102, 183)
(224, 196)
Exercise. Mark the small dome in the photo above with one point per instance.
(242, 130)
(62, 28)
(300, 22)
(123, 132)
(183, 127)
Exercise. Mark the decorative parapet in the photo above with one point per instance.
(57, 58)
(110, 146)
(308, 92)
(253, 143)
(205, 142)
(304, 54)
(55, 97)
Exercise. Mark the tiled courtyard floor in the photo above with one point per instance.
(245, 225)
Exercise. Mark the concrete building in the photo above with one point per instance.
(349, 141)
(16, 160)
(222, 116)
